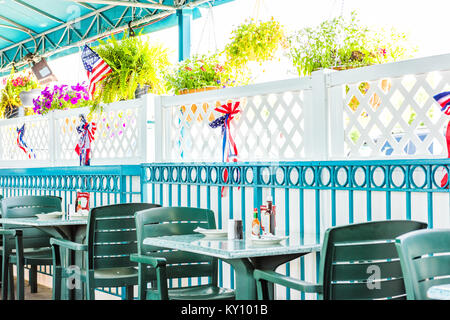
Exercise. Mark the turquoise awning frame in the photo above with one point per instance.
(32, 29)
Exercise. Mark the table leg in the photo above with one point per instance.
(245, 283)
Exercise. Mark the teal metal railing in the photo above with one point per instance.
(309, 196)
(106, 185)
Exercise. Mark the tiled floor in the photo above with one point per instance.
(45, 293)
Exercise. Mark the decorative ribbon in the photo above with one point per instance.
(22, 145)
(229, 149)
(83, 148)
(443, 99)
(444, 181)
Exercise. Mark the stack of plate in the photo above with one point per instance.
(49, 216)
(268, 240)
(212, 233)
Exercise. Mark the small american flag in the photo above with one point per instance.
(96, 68)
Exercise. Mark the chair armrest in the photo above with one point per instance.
(162, 291)
(11, 232)
(68, 244)
(296, 284)
(154, 262)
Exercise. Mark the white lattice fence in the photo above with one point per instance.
(269, 126)
(120, 137)
(394, 114)
(36, 137)
(119, 134)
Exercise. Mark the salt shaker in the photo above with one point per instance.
(231, 233)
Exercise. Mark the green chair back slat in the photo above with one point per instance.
(437, 266)
(110, 262)
(179, 272)
(359, 271)
(158, 230)
(425, 260)
(111, 235)
(26, 207)
(367, 251)
(126, 222)
(361, 291)
(114, 249)
(347, 252)
(185, 213)
(176, 221)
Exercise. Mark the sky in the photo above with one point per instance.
(425, 22)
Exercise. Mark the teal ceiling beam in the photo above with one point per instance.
(48, 28)
(184, 33)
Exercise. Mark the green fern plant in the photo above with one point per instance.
(254, 41)
(133, 62)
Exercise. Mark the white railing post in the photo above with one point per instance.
(144, 114)
(53, 139)
(316, 118)
(158, 125)
(336, 124)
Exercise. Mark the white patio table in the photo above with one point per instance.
(441, 292)
(243, 255)
(70, 229)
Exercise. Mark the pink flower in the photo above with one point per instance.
(218, 68)
(202, 68)
(382, 52)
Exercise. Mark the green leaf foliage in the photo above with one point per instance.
(254, 41)
(200, 71)
(134, 63)
(340, 43)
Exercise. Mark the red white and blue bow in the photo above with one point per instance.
(443, 99)
(229, 149)
(83, 148)
(22, 145)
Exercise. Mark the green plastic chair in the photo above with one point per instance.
(352, 256)
(25, 245)
(157, 265)
(110, 239)
(425, 260)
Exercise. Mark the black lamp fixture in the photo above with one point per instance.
(42, 71)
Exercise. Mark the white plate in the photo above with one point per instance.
(268, 240)
(212, 233)
(49, 216)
